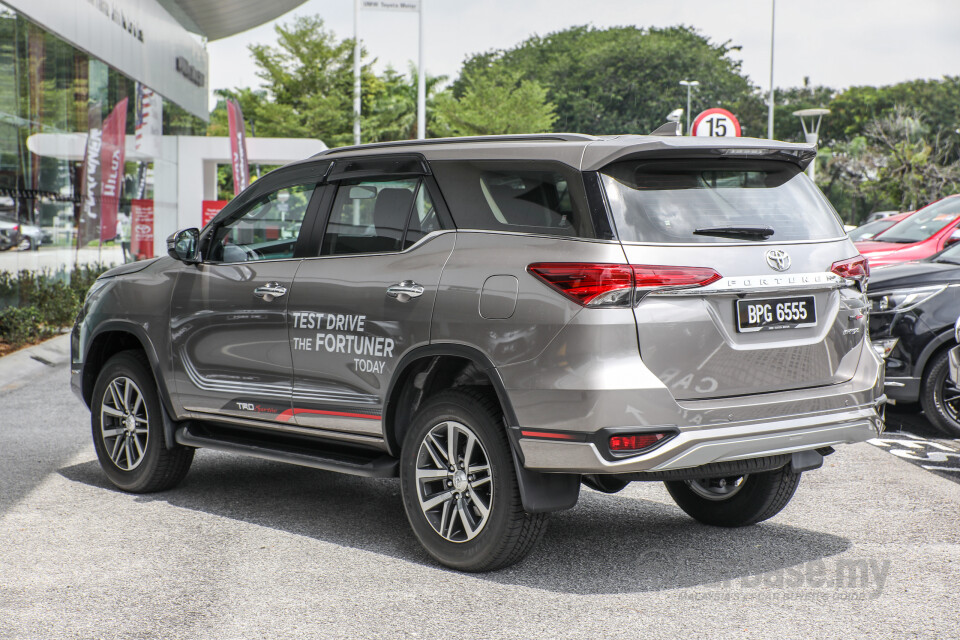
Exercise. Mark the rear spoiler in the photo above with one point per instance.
(598, 154)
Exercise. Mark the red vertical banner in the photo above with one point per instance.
(89, 224)
(210, 210)
(238, 147)
(112, 152)
(141, 229)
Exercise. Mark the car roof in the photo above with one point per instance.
(585, 152)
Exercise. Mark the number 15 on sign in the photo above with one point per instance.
(716, 123)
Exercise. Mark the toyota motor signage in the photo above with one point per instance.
(139, 38)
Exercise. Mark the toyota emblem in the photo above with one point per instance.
(778, 259)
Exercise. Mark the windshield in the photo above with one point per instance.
(869, 230)
(676, 201)
(923, 224)
(951, 255)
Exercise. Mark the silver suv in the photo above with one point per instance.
(497, 321)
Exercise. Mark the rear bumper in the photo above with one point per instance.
(715, 430)
(696, 447)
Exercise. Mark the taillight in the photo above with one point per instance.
(857, 268)
(613, 285)
(652, 276)
(592, 285)
(636, 441)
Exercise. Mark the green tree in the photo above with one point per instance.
(393, 114)
(919, 167)
(625, 79)
(495, 101)
(308, 85)
(848, 173)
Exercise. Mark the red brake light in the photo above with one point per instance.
(635, 442)
(857, 268)
(596, 285)
(612, 285)
(656, 276)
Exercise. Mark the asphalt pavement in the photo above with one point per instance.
(246, 548)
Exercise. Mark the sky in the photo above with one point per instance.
(837, 43)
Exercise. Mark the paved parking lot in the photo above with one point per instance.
(251, 549)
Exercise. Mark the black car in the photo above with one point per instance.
(914, 307)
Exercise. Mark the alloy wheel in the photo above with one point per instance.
(717, 489)
(123, 423)
(948, 399)
(454, 483)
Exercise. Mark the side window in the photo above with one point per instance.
(378, 216)
(532, 197)
(424, 218)
(267, 229)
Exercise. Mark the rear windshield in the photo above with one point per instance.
(922, 224)
(668, 200)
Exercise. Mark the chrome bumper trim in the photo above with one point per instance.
(694, 447)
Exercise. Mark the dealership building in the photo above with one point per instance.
(78, 73)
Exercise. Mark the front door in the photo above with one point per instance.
(363, 302)
(228, 314)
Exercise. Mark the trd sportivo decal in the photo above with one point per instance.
(252, 406)
(288, 415)
(341, 333)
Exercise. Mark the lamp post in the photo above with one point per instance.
(773, 23)
(810, 121)
(689, 84)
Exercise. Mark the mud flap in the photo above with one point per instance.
(545, 492)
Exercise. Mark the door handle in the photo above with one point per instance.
(405, 290)
(270, 291)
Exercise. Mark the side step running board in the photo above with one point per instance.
(372, 466)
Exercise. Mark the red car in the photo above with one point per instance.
(926, 232)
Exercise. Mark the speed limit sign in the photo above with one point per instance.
(717, 123)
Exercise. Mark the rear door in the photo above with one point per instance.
(228, 318)
(366, 296)
(775, 316)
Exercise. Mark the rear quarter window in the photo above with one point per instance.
(665, 201)
(520, 196)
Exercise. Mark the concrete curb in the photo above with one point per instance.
(17, 368)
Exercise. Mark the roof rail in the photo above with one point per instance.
(525, 137)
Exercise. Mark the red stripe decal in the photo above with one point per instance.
(547, 434)
(287, 415)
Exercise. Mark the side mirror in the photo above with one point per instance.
(183, 246)
(953, 238)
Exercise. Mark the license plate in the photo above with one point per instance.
(777, 313)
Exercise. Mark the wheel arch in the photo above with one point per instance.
(540, 492)
(111, 338)
(944, 340)
(431, 360)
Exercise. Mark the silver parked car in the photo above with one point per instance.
(497, 321)
(31, 237)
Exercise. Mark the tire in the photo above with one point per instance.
(26, 244)
(456, 532)
(939, 397)
(742, 501)
(128, 434)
